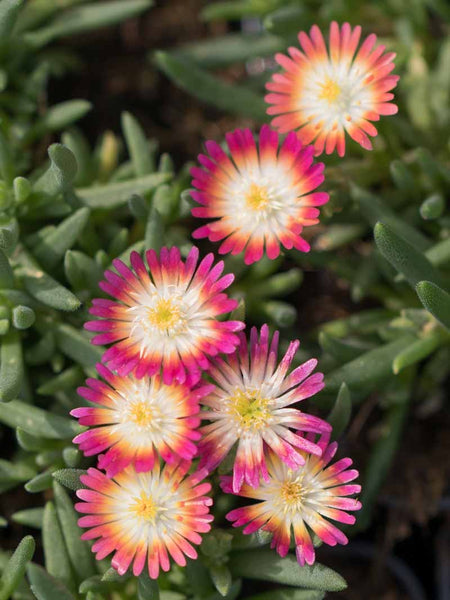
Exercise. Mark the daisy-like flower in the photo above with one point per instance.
(324, 92)
(251, 405)
(137, 419)
(145, 517)
(257, 195)
(164, 318)
(300, 499)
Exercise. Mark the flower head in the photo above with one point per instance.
(300, 499)
(164, 318)
(145, 517)
(136, 420)
(251, 405)
(257, 196)
(324, 92)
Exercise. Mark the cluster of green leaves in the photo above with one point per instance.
(386, 229)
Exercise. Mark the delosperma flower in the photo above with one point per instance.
(136, 420)
(164, 318)
(145, 517)
(300, 500)
(251, 405)
(257, 196)
(325, 92)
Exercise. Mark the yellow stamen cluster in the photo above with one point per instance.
(166, 315)
(145, 508)
(249, 409)
(330, 91)
(140, 413)
(257, 197)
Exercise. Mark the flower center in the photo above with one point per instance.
(257, 197)
(330, 91)
(166, 315)
(292, 492)
(250, 409)
(140, 414)
(145, 508)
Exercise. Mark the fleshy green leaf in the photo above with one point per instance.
(286, 20)
(57, 560)
(418, 350)
(230, 98)
(46, 587)
(58, 117)
(138, 146)
(52, 248)
(267, 566)
(231, 48)
(366, 371)
(436, 301)
(432, 207)
(6, 273)
(403, 256)
(81, 270)
(9, 11)
(114, 195)
(341, 412)
(76, 345)
(44, 288)
(84, 18)
(30, 517)
(340, 350)
(288, 594)
(23, 317)
(221, 577)
(154, 230)
(37, 421)
(60, 174)
(9, 234)
(79, 552)
(40, 483)
(70, 478)
(15, 568)
(148, 589)
(11, 367)
(374, 209)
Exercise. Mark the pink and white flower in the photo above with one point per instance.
(300, 500)
(164, 318)
(257, 196)
(145, 517)
(251, 406)
(137, 420)
(324, 92)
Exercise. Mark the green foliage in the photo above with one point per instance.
(15, 568)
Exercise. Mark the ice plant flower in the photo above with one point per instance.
(251, 405)
(324, 92)
(136, 420)
(145, 517)
(300, 500)
(164, 319)
(257, 195)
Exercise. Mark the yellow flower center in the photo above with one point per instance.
(145, 508)
(257, 197)
(141, 414)
(292, 492)
(250, 409)
(330, 91)
(166, 315)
